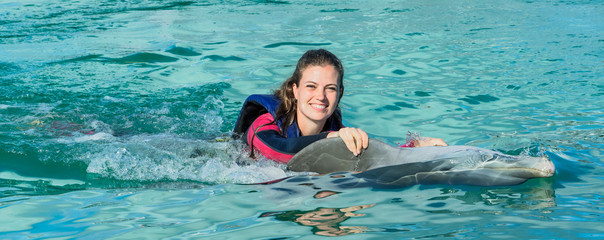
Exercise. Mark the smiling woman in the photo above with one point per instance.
(303, 110)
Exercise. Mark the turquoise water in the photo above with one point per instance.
(115, 116)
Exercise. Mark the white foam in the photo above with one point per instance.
(112, 99)
(51, 181)
(212, 118)
(169, 157)
(94, 137)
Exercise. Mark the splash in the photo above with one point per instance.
(166, 157)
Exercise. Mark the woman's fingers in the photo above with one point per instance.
(364, 137)
(439, 142)
(358, 141)
(348, 140)
(355, 139)
(428, 141)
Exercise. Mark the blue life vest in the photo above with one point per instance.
(258, 104)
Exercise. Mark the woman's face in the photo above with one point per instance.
(318, 93)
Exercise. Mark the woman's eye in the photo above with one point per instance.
(332, 89)
(310, 86)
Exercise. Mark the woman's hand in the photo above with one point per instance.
(354, 138)
(428, 141)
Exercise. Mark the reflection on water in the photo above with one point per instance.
(534, 194)
(432, 203)
(537, 194)
(324, 221)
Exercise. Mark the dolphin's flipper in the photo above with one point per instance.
(383, 164)
(408, 174)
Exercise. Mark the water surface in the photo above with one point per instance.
(115, 116)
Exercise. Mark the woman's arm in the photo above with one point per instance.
(292, 145)
(264, 136)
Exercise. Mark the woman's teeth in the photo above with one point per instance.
(318, 106)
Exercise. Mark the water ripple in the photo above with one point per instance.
(276, 45)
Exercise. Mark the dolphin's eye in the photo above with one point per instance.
(489, 158)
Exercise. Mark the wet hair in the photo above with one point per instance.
(288, 108)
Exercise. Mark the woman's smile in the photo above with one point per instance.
(320, 107)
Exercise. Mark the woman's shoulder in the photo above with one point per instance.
(265, 122)
(267, 117)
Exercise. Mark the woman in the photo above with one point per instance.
(303, 110)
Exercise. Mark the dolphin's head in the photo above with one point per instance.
(483, 167)
(521, 166)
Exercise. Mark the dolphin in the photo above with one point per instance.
(384, 164)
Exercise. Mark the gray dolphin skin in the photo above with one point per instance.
(383, 164)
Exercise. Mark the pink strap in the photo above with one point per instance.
(263, 123)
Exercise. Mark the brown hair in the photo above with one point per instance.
(287, 109)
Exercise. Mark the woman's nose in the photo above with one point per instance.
(320, 95)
